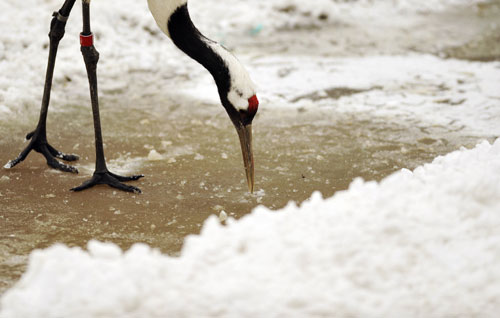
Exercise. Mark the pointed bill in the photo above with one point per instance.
(245, 134)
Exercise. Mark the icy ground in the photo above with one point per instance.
(348, 89)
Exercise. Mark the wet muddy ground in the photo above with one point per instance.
(297, 151)
(201, 174)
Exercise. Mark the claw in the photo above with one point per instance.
(86, 185)
(110, 179)
(125, 179)
(30, 135)
(39, 144)
(9, 164)
(20, 158)
(63, 156)
(52, 162)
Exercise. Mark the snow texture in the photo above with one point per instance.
(410, 88)
(417, 244)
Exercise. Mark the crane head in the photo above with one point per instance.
(236, 90)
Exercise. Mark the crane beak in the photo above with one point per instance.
(245, 134)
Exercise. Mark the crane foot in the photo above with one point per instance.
(39, 144)
(110, 179)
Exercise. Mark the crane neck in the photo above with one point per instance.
(208, 53)
(233, 81)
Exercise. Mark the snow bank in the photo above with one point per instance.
(418, 244)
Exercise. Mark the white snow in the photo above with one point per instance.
(418, 244)
(267, 16)
(155, 155)
(412, 88)
(408, 87)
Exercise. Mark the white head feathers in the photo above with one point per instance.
(242, 87)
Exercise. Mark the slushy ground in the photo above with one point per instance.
(298, 149)
(199, 177)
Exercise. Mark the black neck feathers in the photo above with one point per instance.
(189, 39)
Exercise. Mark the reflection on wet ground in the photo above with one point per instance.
(199, 172)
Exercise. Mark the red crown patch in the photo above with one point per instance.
(253, 104)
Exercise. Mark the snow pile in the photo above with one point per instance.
(422, 243)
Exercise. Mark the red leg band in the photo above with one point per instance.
(86, 40)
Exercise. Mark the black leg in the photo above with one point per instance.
(91, 57)
(38, 138)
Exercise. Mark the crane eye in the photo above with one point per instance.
(253, 104)
(247, 115)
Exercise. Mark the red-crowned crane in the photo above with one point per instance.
(236, 89)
